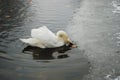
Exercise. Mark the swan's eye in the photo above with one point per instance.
(61, 35)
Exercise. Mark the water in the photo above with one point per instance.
(93, 25)
(97, 32)
(17, 18)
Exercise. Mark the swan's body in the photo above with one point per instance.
(44, 38)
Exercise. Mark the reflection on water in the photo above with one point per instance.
(45, 54)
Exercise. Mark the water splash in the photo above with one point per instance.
(117, 36)
(110, 77)
(116, 5)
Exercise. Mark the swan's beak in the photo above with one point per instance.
(70, 44)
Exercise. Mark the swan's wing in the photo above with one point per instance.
(47, 37)
(43, 33)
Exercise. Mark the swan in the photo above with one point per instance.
(42, 37)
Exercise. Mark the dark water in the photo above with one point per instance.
(93, 25)
(17, 18)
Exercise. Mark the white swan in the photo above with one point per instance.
(44, 38)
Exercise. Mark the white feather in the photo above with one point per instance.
(33, 42)
(44, 38)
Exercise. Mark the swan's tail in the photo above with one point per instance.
(24, 40)
(33, 42)
(30, 41)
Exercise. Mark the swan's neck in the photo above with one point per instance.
(60, 42)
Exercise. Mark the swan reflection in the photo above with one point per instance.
(47, 53)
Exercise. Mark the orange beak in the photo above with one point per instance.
(72, 45)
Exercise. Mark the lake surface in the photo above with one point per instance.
(93, 25)
(17, 20)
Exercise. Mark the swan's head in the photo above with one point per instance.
(62, 35)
